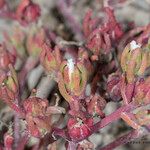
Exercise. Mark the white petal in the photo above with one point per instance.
(134, 45)
(70, 65)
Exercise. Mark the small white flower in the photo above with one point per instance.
(134, 45)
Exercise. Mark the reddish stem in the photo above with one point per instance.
(101, 124)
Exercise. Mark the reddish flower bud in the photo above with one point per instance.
(78, 128)
(27, 12)
(73, 79)
(100, 38)
(134, 61)
(35, 105)
(50, 59)
(94, 42)
(38, 120)
(35, 40)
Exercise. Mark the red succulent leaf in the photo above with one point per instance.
(113, 86)
(96, 105)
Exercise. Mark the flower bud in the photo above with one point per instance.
(134, 61)
(50, 59)
(78, 128)
(27, 12)
(73, 79)
(94, 43)
(6, 58)
(35, 40)
(100, 38)
(38, 121)
(36, 106)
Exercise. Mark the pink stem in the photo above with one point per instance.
(109, 119)
(101, 124)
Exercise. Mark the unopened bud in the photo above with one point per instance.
(73, 79)
(27, 12)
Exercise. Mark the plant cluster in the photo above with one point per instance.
(110, 64)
